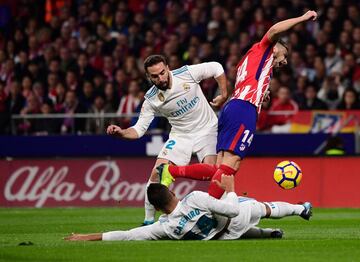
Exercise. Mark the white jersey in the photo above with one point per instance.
(197, 217)
(184, 104)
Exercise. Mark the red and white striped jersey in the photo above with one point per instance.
(254, 72)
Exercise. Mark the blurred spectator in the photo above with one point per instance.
(59, 97)
(84, 70)
(349, 100)
(26, 86)
(333, 61)
(129, 103)
(72, 106)
(15, 101)
(97, 125)
(32, 106)
(4, 119)
(351, 72)
(111, 99)
(46, 126)
(331, 91)
(282, 109)
(311, 102)
(86, 98)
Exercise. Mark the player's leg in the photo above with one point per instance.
(280, 209)
(204, 145)
(205, 149)
(255, 210)
(257, 232)
(201, 171)
(176, 150)
(149, 208)
(229, 165)
(237, 124)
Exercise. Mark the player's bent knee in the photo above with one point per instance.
(268, 209)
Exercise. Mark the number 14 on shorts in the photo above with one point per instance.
(247, 138)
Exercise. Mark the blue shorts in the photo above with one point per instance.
(236, 128)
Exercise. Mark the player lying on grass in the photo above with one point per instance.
(201, 217)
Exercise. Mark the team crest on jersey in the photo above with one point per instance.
(186, 86)
(161, 97)
(242, 147)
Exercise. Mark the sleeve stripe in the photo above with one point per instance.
(180, 70)
(151, 92)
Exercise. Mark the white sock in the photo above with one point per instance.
(283, 209)
(149, 208)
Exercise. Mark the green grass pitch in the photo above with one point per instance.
(331, 235)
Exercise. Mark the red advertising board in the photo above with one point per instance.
(327, 182)
(80, 182)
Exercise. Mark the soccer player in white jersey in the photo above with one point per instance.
(201, 217)
(237, 120)
(177, 96)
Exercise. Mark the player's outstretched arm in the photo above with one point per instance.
(275, 31)
(150, 232)
(129, 133)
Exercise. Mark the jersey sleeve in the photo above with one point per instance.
(226, 207)
(265, 41)
(146, 116)
(150, 232)
(205, 70)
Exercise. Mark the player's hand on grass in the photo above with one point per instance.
(76, 237)
(84, 237)
(310, 15)
(218, 101)
(114, 130)
(227, 183)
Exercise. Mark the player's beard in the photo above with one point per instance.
(164, 85)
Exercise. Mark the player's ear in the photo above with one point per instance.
(275, 48)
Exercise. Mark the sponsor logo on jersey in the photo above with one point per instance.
(186, 86)
(161, 97)
(184, 106)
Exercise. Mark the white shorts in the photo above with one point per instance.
(179, 147)
(251, 211)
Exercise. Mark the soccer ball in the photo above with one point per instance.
(287, 174)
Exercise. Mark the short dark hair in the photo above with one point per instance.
(159, 195)
(153, 60)
(282, 42)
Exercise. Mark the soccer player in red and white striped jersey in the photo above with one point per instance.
(237, 122)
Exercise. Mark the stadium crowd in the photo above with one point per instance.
(86, 56)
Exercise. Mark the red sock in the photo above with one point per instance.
(214, 190)
(202, 172)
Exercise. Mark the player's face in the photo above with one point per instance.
(280, 55)
(159, 75)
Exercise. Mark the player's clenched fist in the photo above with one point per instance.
(310, 15)
(113, 130)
